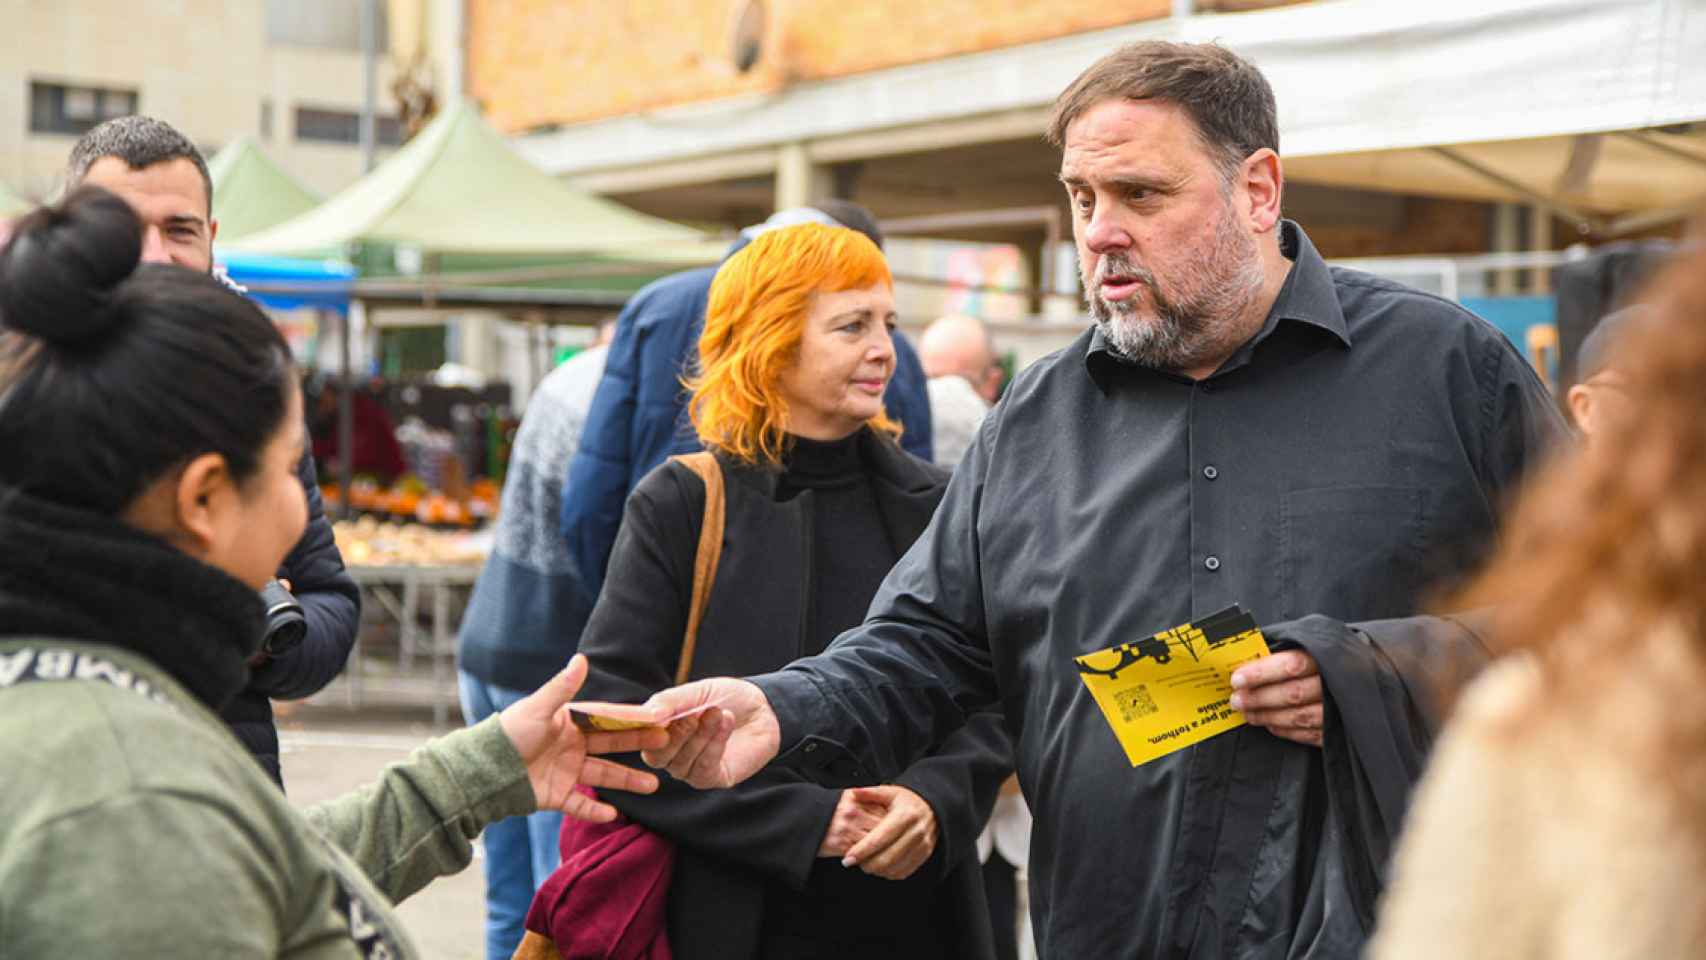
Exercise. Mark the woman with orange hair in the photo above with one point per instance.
(1564, 813)
(820, 502)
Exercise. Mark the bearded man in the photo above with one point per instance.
(1242, 424)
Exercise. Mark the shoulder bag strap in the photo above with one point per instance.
(705, 561)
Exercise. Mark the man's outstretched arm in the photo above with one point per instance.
(884, 694)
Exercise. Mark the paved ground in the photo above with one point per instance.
(331, 748)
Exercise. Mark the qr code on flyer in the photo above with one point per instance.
(1135, 702)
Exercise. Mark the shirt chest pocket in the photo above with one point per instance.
(1354, 552)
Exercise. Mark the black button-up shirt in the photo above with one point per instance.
(1355, 451)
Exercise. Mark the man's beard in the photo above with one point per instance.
(1192, 324)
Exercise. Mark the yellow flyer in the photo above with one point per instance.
(1166, 692)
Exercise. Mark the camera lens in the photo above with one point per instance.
(286, 624)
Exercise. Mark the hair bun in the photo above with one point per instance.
(58, 273)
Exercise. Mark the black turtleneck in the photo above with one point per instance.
(850, 555)
(846, 540)
(68, 574)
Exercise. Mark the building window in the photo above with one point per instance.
(343, 126)
(266, 120)
(75, 110)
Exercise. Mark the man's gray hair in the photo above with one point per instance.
(140, 142)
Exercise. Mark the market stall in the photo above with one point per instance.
(409, 570)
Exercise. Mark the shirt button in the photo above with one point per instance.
(1213, 563)
(1210, 472)
(810, 747)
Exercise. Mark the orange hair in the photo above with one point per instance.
(753, 324)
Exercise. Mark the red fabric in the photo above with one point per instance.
(606, 899)
(373, 440)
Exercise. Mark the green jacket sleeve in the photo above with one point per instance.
(418, 821)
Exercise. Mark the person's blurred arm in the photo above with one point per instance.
(1464, 883)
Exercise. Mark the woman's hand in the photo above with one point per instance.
(555, 750)
(905, 838)
(851, 822)
(721, 746)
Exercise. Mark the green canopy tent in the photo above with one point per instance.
(457, 198)
(457, 189)
(251, 193)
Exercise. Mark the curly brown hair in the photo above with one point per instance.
(1609, 545)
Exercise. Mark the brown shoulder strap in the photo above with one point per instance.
(705, 561)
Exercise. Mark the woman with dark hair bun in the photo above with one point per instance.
(150, 428)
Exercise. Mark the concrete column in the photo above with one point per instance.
(1539, 238)
(446, 29)
(1507, 238)
(799, 181)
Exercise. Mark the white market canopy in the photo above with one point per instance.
(458, 188)
(1597, 107)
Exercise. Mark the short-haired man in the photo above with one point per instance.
(163, 177)
(965, 380)
(1599, 400)
(1243, 424)
(960, 346)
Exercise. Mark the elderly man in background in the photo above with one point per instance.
(965, 380)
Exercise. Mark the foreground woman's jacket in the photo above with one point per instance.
(132, 822)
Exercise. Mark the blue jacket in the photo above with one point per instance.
(639, 414)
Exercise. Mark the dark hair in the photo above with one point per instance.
(853, 217)
(112, 375)
(1224, 95)
(140, 142)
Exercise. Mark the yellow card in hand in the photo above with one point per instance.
(1166, 692)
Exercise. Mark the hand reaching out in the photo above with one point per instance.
(722, 746)
(556, 751)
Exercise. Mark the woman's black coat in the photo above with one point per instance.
(730, 842)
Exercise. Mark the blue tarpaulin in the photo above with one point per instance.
(287, 283)
(1516, 317)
